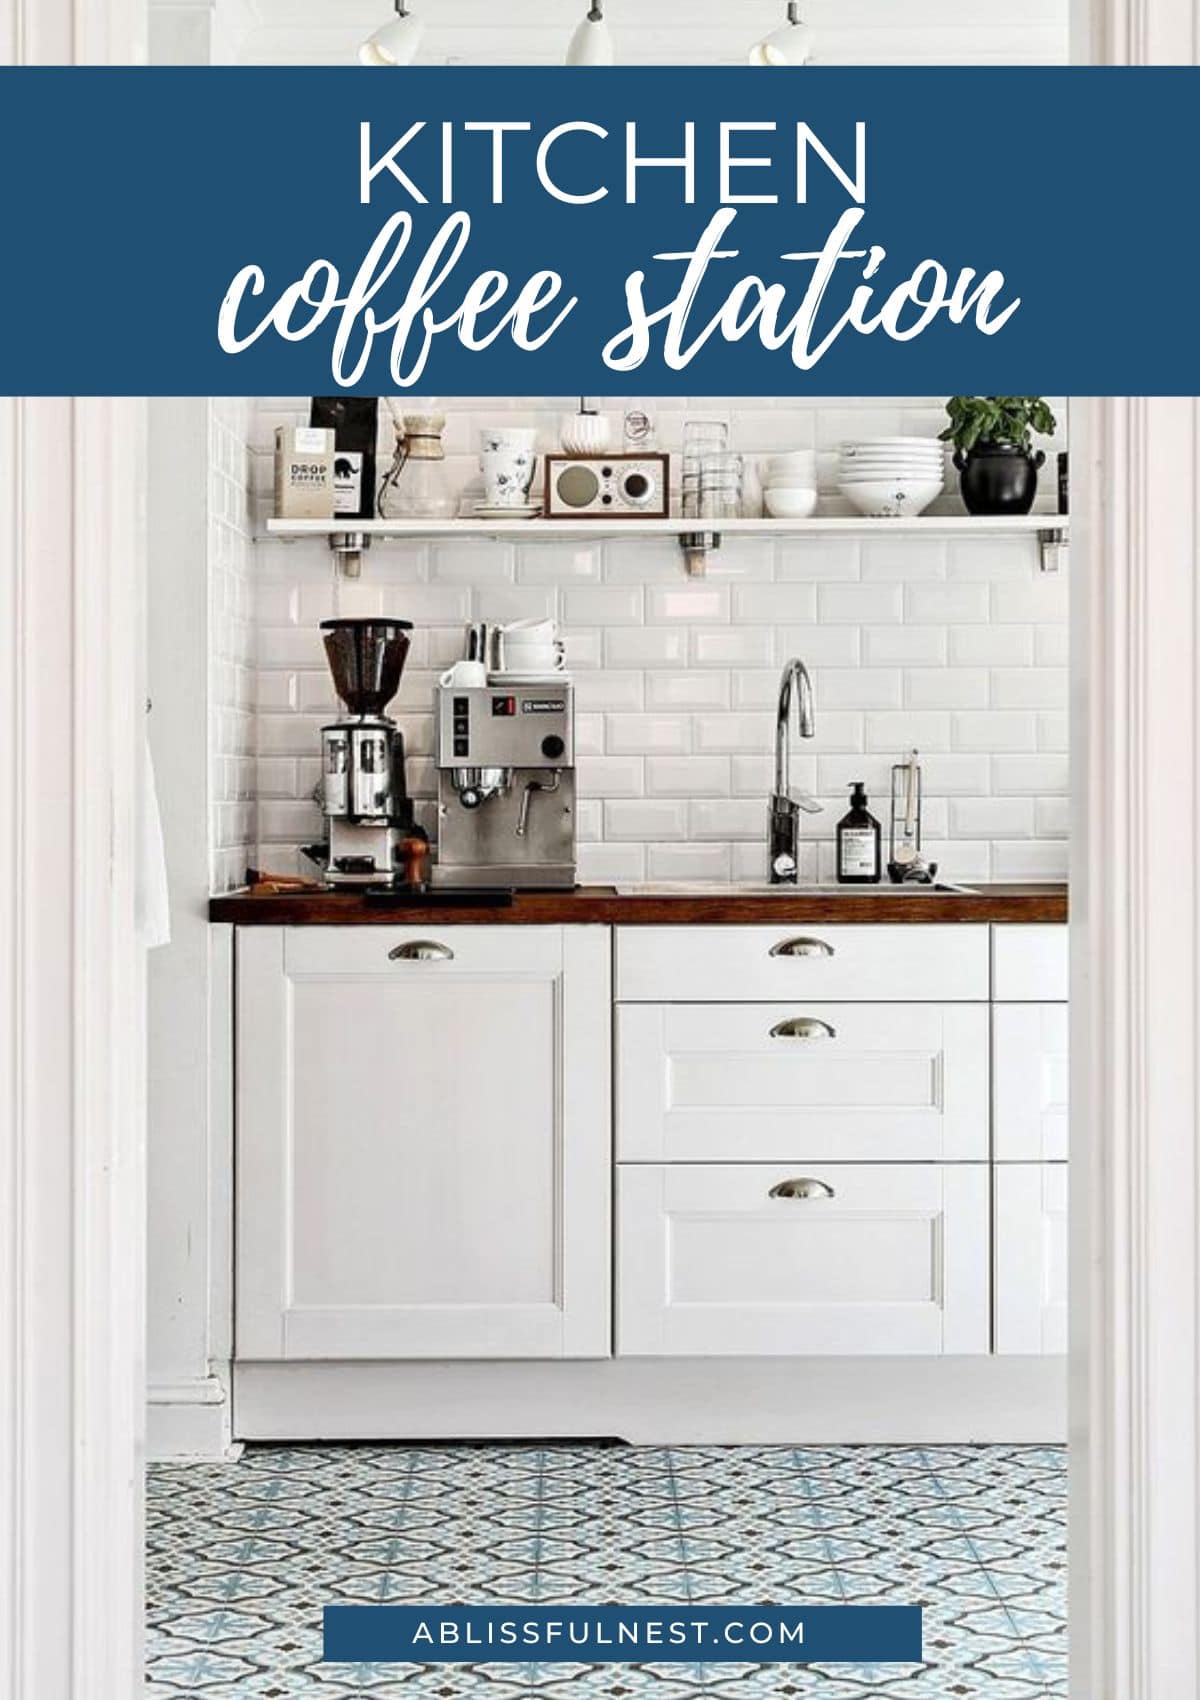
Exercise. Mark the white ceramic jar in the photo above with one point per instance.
(584, 433)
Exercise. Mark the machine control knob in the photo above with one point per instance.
(470, 798)
(553, 747)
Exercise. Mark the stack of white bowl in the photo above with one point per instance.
(790, 484)
(891, 477)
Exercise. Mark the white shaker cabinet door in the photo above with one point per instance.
(1030, 1071)
(1031, 1257)
(738, 1083)
(758, 1260)
(423, 1143)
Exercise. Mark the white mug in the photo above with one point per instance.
(507, 476)
(465, 675)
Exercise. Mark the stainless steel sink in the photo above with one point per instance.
(759, 888)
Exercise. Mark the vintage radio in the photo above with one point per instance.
(634, 486)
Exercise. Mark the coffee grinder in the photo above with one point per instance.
(363, 794)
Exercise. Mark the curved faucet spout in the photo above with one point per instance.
(795, 676)
(783, 826)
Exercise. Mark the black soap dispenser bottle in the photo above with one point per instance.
(859, 840)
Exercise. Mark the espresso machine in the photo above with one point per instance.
(506, 785)
(362, 792)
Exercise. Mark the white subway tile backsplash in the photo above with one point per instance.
(705, 604)
(732, 734)
(559, 563)
(602, 605)
(728, 818)
(857, 687)
(884, 646)
(957, 647)
(991, 646)
(908, 729)
(946, 604)
(687, 691)
(1030, 687)
(733, 646)
(687, 776)
(1053, 731)
(819, 560)
(1037, 776)
(609, 689)
(821, 646)
(646, 819)
(774, 604)
(946, 687)
(860, 604)
(905, 560)
(650, 646)
(992, 817)
(993, 729)
(688, 862)
(648, 734)
(611, 864)
(611, 776)
(1033, 859)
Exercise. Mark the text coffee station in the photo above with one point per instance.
(655, 878)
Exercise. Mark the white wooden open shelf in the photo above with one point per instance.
(531, 530)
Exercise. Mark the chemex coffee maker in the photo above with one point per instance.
(363, 794)
(506, 784)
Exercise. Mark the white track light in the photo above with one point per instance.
(591, 44)
(396, 43)
(789, 45)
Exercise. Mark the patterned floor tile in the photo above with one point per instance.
(242, 1557)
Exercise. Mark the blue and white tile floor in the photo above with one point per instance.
(243, 1556)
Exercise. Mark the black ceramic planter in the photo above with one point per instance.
(998, 478)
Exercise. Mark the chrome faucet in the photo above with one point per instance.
(786, 807)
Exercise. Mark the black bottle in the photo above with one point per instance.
(859, 857)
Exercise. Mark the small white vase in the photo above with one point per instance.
(584, 433)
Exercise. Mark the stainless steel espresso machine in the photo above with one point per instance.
(506, 785)
(363, 794)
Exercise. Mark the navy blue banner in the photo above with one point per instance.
(622, 1634)
(825, 231)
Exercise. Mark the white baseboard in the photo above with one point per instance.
(680, 1401)
(189, 1419)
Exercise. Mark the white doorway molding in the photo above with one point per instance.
(72, 1064)
(1135, 1005)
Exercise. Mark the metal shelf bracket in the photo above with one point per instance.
(696, 546)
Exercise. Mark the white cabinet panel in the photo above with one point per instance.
(1030, 1072)
(840, 1082)
(1031, 964)
(1031, 1258)
(864, 964)
(709, 1264)
(423, 1143)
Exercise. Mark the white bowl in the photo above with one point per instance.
(891, 499)
(789, 502)
(779, 468)
(903, 444)
(903, 474)
(851, 461)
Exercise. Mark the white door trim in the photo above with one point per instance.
(71, 1194)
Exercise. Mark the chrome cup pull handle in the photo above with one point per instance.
(802, 947)
(802, 1186)
(803, 1027)
(421, 950)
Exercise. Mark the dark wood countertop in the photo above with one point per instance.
(603, 905)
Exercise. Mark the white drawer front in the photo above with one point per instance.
(739, 1083)
(871, 964)
(709, 1264)
(1031, 1258)
(1030, 1072)
(433, 951)
(1031, 964)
